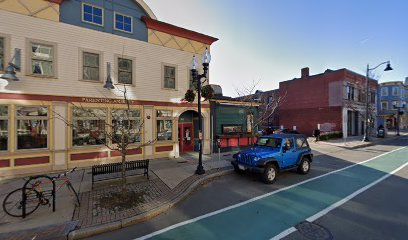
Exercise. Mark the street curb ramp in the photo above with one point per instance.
(107, 227)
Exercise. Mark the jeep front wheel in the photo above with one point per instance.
(237, 170)
(304, 166)
(269, 174)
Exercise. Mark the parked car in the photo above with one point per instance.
(273, 154)
(285, 130)
(269, 130)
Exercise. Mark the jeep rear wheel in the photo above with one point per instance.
(304, 166)
(269, 174)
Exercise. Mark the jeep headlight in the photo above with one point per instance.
(256, 158)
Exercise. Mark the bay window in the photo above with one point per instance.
(3, 128)
(164, 125)
(128, 122)
(88, 126)
(32, 127)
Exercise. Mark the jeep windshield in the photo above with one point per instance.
(269, 142)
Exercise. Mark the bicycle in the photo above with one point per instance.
(36, 194)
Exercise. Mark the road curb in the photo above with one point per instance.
(95, 230)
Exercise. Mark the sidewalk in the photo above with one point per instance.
(101, 209)
(354, 141)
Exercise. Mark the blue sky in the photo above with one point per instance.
(270, 41)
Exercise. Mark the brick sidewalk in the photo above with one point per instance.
(152, 194)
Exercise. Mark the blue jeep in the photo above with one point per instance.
(275, 153)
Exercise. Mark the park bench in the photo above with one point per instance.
(111, 170)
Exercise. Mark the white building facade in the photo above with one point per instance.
(64, 64)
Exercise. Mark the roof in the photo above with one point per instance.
(177, 31)
(284, 135)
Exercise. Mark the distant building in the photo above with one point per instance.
(231, 121)
(268, 107)
(332, 101)
(393, 95)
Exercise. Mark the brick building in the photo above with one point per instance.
(333, 100)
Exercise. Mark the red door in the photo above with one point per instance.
(186, 138)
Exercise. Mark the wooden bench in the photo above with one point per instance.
(111, 168)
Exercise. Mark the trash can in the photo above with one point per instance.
(381, 133)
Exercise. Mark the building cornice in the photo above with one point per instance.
(177, 31)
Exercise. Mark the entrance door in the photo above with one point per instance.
(186, 138)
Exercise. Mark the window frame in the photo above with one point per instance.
(17, 118)
(29, 58)
(384, 103)
(124, 15)
(81, 64)
(171, 118)
(164, 65)
(93, 6)
(384, 91)
(133, 59)
(140, 119)
(396, 91)
(7, 118)
(73, 119)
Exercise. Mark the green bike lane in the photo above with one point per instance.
(268, 215)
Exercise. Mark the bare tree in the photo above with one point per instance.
(121, 134)
(267, 105)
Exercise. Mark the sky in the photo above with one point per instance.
(269, 41)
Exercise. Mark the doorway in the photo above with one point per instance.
(188, 131)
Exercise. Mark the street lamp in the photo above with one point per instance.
(398, 105)
(206, 58)
(387, 68)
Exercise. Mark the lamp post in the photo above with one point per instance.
(398, 106)
(387, 68)
(206, 58)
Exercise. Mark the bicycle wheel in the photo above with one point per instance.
(12, 204)
(73, 192)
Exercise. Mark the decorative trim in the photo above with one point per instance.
(55, 1)
(87, 156)
(37, 97)
(129, 152)
(4, 163)
(164, 148)
(31, 161)
(178, 31)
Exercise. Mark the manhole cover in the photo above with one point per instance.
(313, 231)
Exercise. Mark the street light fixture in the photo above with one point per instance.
(10, 73)
(387, 68)
(398, 105)
(206, 58)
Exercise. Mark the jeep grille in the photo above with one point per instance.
(245, 159)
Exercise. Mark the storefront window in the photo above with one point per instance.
(32, 127)
(3, 128)
(120, 122)
(164, 125)
(89, 126)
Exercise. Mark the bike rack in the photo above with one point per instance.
(25, 194)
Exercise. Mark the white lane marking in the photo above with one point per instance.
(339, 203)
(254, 199)
(284, 233)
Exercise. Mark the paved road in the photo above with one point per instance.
(272, 212)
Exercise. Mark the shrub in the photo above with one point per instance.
(330, 135)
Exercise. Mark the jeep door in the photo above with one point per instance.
(289, 153)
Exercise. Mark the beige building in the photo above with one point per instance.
(64, 64)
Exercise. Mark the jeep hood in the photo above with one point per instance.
(260, 152)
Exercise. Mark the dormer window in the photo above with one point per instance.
(123, 23)
(92, 14)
